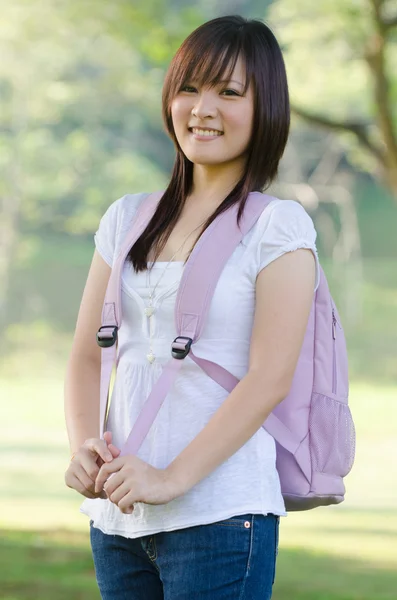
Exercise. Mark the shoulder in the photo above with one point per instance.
(283, 226)
(124, 208)
(285, 214)
(283, 222)
(115, 223)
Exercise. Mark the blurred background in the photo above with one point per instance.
(80, 126)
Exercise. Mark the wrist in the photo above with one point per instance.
(176, 483)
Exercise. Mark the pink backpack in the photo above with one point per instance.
(312, 427)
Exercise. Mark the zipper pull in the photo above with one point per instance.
(333, 325)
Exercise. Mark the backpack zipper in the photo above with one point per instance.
(334, 382)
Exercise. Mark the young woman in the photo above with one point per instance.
(196, 513)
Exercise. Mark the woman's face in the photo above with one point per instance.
(222, 108)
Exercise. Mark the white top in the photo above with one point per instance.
(248, 481)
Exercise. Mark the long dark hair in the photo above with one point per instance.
(208, 55)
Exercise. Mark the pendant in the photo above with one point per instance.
(149, 311)
(151, 357)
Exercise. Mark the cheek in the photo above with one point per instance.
(179, 112)
(243, 130)
(241, 121)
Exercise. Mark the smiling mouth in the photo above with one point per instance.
(205, 132)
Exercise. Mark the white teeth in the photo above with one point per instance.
(206, 132)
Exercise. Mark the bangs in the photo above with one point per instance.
(208, 61)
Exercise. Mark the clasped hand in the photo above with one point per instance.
(128, 479)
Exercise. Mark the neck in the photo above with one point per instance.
(212, 183)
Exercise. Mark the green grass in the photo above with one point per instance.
(58, 565)
(345, 552)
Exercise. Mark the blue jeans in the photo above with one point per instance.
(233, 559)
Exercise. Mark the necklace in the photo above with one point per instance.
(150, 310)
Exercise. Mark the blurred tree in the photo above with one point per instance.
(80, 103)
(341, 58)
(80, 113)
(71, 99)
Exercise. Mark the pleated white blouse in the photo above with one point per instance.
(248, 481)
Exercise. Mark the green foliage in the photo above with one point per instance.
(74, 114)
(324, 46)
(377, 221)
(80, 126)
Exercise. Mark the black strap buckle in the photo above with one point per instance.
(178, 352)
(106, 341)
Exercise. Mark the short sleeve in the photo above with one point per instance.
(285, 228)
(114, 225)
(105, 235)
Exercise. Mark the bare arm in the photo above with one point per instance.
(284, 295)
(82, 380)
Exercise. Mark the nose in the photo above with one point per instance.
(204, 106)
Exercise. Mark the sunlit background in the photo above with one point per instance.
(80, 126)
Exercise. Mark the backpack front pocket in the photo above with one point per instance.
(332, 436)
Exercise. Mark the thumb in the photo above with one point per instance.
(99, 448)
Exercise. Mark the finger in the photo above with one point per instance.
(114, 450)
(71, 479)
(89, 491)
(119, 493)
(98, 447)
(81, 474)
(105, 471)
(89, 464)
(107, 436)
(103, 477)
(113, 483)
(75, 483)
(126, 504)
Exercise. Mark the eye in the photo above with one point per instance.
(234, 93)
(228, 91)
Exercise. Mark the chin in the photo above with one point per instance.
(203, 158)
(205, 162)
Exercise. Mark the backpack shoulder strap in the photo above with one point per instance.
(207, 261)
(195, 292)
(111, 312)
